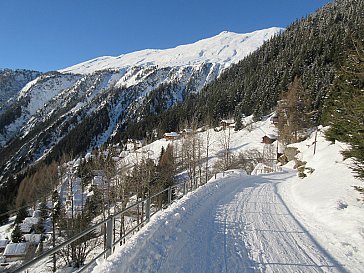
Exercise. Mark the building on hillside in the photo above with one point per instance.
(171, 136)
(274, 119)
(33, 238)
(133, 145)
(202, 129)
(124, 154)
(269, 138)
(15, 251)
(186, 132)
(99, 179)
(225, 123)
(3, 244)
(26, 226)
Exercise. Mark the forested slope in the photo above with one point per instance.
(312, 49)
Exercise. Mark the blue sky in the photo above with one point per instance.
(49, 35)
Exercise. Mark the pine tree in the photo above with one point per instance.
(22, 213)
(16, 235)
(4, 216)
(238, 120)
(166, 167)
(56, 212)
(344, 108)
(39, 227)
(292, 113)
(166, 170)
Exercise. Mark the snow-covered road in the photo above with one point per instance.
(235, 224)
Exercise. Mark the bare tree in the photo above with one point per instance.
(225, 141)
(291, 112)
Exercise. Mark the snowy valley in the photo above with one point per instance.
(235, 153)
(276, 222)
(110, 93)
(264, 222)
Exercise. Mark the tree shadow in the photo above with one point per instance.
(328, 261)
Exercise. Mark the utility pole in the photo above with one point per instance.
(314, 147)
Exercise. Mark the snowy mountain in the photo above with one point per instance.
(81, 107)
(11, 82)
(268, 222)
(223, 49)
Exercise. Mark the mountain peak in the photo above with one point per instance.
(225, 32)
(225, 48)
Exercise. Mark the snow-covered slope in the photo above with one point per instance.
(108, 93)
(326, 202)
(11, 82)
(224, 49)
(274, 222)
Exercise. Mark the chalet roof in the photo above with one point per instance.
(15, 249)
(3, 243)
(228, 121)
(25, 227)
(123, 154)
(272, 136)
(31, 220)
(171, 134)
(259, 168)
(33, 238)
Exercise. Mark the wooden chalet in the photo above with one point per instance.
(224, 123)
(274, 119)
(269, 139)
(33, 238)
(186, 132)
(3, 244)
(15, 251)
(171, 136)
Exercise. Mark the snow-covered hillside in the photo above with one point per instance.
(224, 49)
(109, 93)
(274, 222)
(11, 82)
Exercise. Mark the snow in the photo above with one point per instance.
(171, 134)
(5, 230)
(225, 48)
(3, 243)
(40, 94)
(150, 151)
(15, 249)
(273, 222)
(82, 89)
(233, 224)
(328, 204)
(33, 238)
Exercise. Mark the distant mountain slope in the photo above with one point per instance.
(79, 108)
(11, 82)
(224, 49)
(312, 49)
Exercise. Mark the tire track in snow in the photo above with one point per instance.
(235, 224)
(278, 242)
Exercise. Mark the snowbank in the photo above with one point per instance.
(326, 202)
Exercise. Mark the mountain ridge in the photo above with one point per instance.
(215, 49)
(68, 112)
(12, 82)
